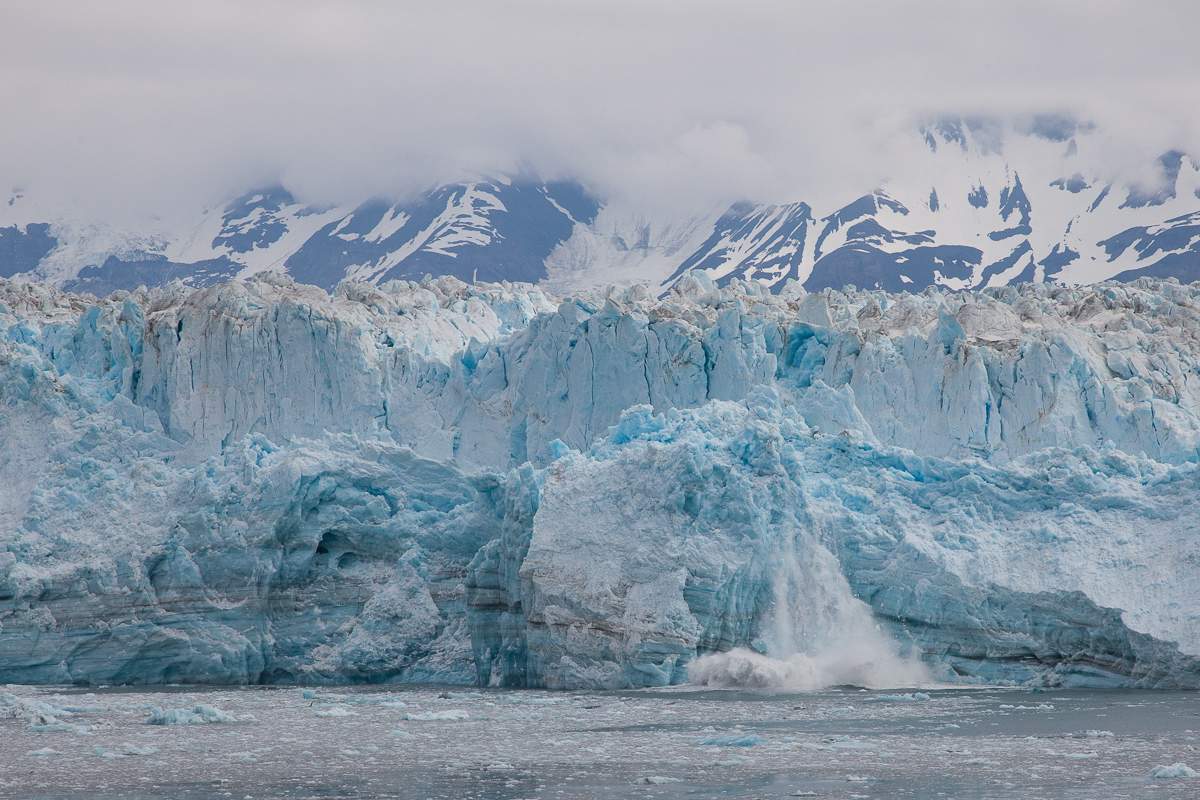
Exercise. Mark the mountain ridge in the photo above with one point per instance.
(978, 206)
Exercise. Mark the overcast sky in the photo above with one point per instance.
(126, 104)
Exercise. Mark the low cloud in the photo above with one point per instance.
(120, 107)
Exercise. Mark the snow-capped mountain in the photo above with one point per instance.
(975, 210)
(979, 204)
(499, 229)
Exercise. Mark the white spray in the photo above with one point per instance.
(820, 635)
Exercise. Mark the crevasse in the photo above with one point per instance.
(262, 482)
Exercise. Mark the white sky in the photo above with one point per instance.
(124, 105)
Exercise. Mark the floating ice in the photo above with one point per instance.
(1095, 734)
(449, 715)
(733, 740)
(906, 697)
(334, 711)
(125, 749)
(41, 717)
(197, 715)
(1176, 770)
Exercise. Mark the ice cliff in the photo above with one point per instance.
(263, 482)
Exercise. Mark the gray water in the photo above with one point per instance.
(422, 744)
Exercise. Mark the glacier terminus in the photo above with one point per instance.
(262, 482)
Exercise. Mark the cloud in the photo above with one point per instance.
(127, 105)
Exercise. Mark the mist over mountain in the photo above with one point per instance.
(975, 202)
(898, 145)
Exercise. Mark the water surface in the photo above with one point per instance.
(424, 743)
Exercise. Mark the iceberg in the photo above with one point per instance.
(197, 715)
(40, 716)
(1171, 771)
(261, 482)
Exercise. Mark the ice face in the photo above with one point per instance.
(1010, 572)
(261, 482)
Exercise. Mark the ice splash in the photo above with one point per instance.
(873, 665)
(819, 635)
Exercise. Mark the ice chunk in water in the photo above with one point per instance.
(450, 715)
(197, 715)
(906, 697)
(733, 740)
(334, 711)
(125, 749)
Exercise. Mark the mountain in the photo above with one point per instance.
(977, 204)
(500, 229)
(977, 210)
(261, 482)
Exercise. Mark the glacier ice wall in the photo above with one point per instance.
(262, 482)
(998, 573)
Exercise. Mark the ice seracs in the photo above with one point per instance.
(443, 482)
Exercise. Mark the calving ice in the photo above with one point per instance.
(429, 482)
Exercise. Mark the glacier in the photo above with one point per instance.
(441, 482)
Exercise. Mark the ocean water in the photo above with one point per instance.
(421, 744)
